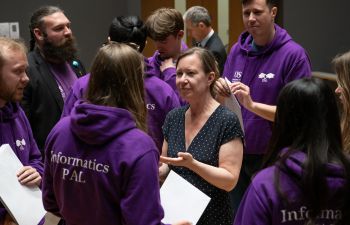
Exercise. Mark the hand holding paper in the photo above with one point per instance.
(28, 176)
(242, 92)
(222, 88)
(24, 203)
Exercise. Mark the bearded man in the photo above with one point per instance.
(53, 68)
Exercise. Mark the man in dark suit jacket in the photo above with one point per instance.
(198, 24)
(52, 70)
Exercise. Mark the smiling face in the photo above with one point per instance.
(258, 19)
(191, 80)
(13, 77)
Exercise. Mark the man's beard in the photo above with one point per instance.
(6, 94)
(61, 53)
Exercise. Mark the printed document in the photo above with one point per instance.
(232, 104)
(22, 202)
(181, 200)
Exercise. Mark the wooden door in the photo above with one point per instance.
(147, 7)
(236, 26)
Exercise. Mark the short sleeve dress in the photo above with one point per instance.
(221, 127)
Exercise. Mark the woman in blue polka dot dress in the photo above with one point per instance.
(203, 140)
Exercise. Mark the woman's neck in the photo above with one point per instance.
(203, 106)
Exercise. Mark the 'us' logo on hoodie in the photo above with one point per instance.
(21, 143)
(265, 77)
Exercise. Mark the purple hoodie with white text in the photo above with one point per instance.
(160, 99)
(266, 72)
(262, 204)
(101, 169)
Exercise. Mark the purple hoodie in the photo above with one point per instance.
(160, 99)
(262, 205)
(266, 72)
(16, 131)
(101, 169)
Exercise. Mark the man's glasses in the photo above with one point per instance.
(130, 44)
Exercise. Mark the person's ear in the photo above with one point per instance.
(211, 77)
(274, 12)
(108, 39)
(201, 25)
(39, 35)
(181, 34)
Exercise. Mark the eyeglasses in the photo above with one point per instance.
(130, 44)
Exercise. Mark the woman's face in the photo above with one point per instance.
(191, 80)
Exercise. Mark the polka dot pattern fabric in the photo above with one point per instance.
(221, 127)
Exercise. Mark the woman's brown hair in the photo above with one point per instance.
(341, 65)
(117, 80)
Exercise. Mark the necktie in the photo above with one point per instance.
(198, 44)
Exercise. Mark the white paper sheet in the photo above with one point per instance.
(51, 219)
(181, 200)
(234, 106)
(24, 203)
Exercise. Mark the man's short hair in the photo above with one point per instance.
(36, 20)
(270, 3)
(7, 44)
(197, 14)
(164, 22)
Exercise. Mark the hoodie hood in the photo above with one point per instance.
(280, 38)
(9, 111)
(152, 65)
(8, 114)
(95, 124)
(335, 173)
(149, 69)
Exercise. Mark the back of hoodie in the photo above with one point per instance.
(101, 169)
(263, 205)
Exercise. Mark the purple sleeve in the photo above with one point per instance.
(253, 209)
(69, 103)
(76, 93)
(35, 159)
(172, 101)
(169, 76)
(300, 69)
(143, 190)
(48, 196)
